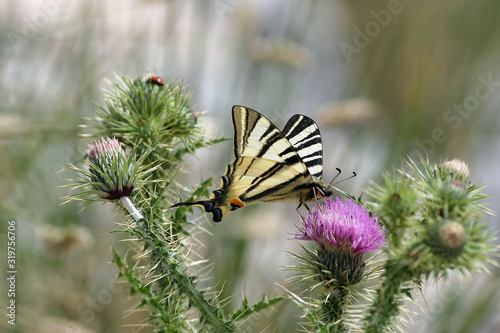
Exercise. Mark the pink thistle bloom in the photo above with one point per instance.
(344, 231)
(343, 224)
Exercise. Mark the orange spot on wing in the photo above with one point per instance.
(237, 202)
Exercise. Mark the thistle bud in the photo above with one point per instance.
(112, 174)
(450, 199)
(395, 203)
(447, 238)
(455, 170)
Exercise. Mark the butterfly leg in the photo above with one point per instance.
(298, 212)
(318, 193)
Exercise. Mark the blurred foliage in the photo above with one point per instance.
(426, 60)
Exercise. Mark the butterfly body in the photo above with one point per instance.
(270, 165)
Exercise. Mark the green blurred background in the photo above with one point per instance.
(383, 79)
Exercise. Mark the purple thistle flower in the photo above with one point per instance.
(341, 224)
(344, 231)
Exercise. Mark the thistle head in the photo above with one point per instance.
(455, 170)
(447, 238)
(149, 111)
(111, 173)
(343, 231)
(104, 148)
(395, 202)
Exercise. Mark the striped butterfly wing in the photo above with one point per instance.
(305, 137)
(259, 179)
(255, 136)
(268, 165)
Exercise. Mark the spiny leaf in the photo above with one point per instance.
(246, 310)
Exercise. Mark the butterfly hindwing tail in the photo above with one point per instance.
(208, 205)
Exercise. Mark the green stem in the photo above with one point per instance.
(386, 306)
(205, 308)
(208, 311)
(333, 309)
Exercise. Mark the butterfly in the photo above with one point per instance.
(269, 165)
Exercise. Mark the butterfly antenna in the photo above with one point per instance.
(354, 174)
(338, 174)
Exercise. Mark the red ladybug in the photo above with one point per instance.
(156, 80)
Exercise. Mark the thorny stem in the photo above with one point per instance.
(333, 308)
(386, 305)
(186, 285)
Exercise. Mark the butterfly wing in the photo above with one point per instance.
(261, 179)
(256, 136)
(267, 167)
(305, 137)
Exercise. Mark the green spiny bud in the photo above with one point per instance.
(148, 111)
(395, 201)
(447, 238)
(110, 171)
(449, 199)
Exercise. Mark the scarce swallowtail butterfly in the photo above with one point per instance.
(269, 165)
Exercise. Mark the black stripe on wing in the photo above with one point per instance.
(269, 191)
(305, 137)
(256, 136)
(243, 122)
